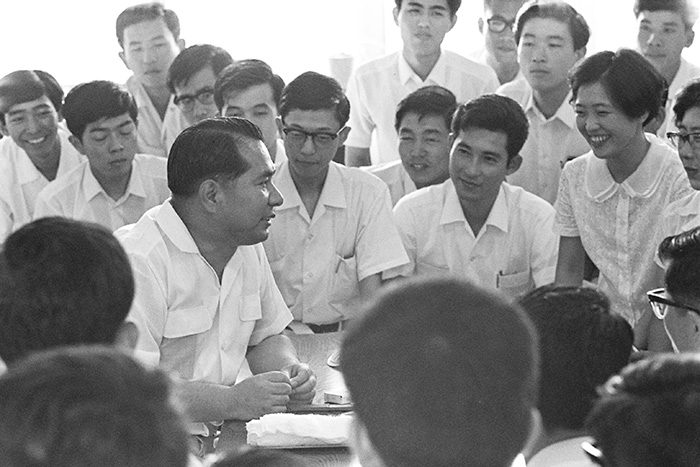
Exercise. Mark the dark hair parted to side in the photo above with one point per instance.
(89, 406)
(428, 100)
(243, 74)
(681, 253)
(649, 415)
(686, 8)
(314, 91)
(442, 373)
(143, 12)
(453, 5)
(687, 98)
(630, 81)
(62, 282)
(194, 59)
(582, 344)
(209, 149)
(494, 113)
(89, 102)
(560, 11)
(27, 85)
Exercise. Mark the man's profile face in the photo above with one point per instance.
(683, 326)
(424, 147)
(423, 24)
(257, 104)
(149, 49)
(690, 156)
(202, 84)
(661, 37)
(33, 126)
(501, 45)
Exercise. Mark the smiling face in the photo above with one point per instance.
(661, 37)
(203, 80)
(149, 49)
(501, 45)
(424, 147)
(546, 54)
(256, 104)
(423, 24)
(690, 156)
(33, 126)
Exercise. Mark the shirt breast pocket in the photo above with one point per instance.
(345, 287)
(251, 310)
(187, 322)
(516, 284)
(430, 270)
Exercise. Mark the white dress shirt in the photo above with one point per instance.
(396, 178)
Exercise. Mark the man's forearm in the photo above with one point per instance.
(272, 354)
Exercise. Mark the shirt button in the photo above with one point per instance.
(311, 236)
(310, 275)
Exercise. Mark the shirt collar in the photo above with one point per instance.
(176, 230)
(452, 209)
(91, 187)
(27, 171)
(565, 113)
(437, 74)
(332, 193)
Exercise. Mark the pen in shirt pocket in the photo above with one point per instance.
(498, 278)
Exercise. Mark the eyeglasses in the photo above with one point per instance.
(691, 138)
(594, 454)
(499, 24)
(204, 96)
(660, 302)
(298, 137)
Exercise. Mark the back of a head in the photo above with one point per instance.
(143, 12)
(582, 344)
(88, 406)
(427, 100)
(442, 373)
(314, 91)
(90, 102)
(194, 59)
(681, 254)
(243, 74)
(686, 8)
(62, 282)
(649, 415)
(560, 11)
(27, 85)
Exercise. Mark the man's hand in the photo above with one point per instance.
(262, 394)
(303, 382)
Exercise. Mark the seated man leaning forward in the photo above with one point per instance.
(36, 151)
(476, 225)
(114, 186)
(442, 374)
(423, 124)
(334, 235)
(205, 297)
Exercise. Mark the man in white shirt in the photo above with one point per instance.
(249, 89)
(665, 28)
(149, 36)
(334, 235)
(375, 88)
(475, 225)
(423, 123)
(114, 186)
(191, 78)
(551, 38)
(35, 149)
(205, 297)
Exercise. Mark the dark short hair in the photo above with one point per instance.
(195, 58)
(494, 113)
(88, 406)
(27, 85)
(314, 91)
(143, 12)
(89, 102)
(244, 74)
(560, 11)
(681, 253)
(442, 373)
(62, 282)
(687, 98)
(649, 415)
(212, 148)
(453, 5)
(582, 344)
(686, 8)
(630, 81)
(428, 100)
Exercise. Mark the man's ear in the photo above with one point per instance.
(580, 53)
(689, 37)
(122, 56)
(3, 128)
(343, 135)
(362, 446)
(454, 21)
(396, 15)
(127, 336)
(514, 164)
(208, 194)
(481, 25)
(181, 44)
(77, 144)
(280, 126)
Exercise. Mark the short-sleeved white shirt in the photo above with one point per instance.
(515, 251)
(21, 181)
(550, 142)
(682, 215)
(318, 262)
(155, 136)
(377, 87)
(78, 194)
(396, 178)
(189, 322)
(620, 224)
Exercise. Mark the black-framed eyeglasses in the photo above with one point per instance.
(499, 24)
(298, 137)
(690, 138)
(593, 453)
(205, 96)
(660, 302)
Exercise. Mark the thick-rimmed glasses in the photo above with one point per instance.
(499, 24)
(204, 96)
(660, 302)
(690, 138)
(298, 137)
